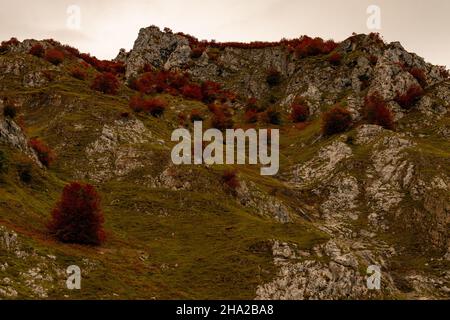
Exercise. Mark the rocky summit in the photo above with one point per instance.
(373, 190)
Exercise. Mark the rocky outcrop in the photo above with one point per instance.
(12, 135)
(328, 272)
(117, 151)
(380, 197)
(156, 48)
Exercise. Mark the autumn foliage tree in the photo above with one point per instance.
(299, 111)
(195, 115)
(336, 120)
(273, 77)
(78, 217)
(54, 56)
(230, 179)
(251, 116)
(45, 154)
(419, 75)
(192, 91)
(377, 112)
(335, 58)
(410, 97)
(222, 118)
(154, 106)
(37, 50)
(78, 73)
(106, 82)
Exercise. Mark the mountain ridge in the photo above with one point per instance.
(367, 196)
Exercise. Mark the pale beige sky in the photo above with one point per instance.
(108, 25)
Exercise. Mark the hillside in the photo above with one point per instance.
(341, 202)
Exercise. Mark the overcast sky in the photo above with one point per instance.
(108, 25)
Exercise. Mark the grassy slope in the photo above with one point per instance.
(185, 244)
(164, 243)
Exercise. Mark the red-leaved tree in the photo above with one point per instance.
(230, 179)
(192, 91)
(106, 82)
(78, 73)
(410, 97)
(335, 58)
(37, 50)
(420, 76)
(54, 56)
(336, 120)
(45, 154)
(377, 112)
(155, 106)
(78, 217)
(300, 111)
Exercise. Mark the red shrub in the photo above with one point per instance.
(37, 50)
(420, 76)
(175, 83)
(336, 120)
(299, 112)
(273, 77)
(106, 83)
(124, 115)
(78, 73)
(211, 91)
(195, 115)
(12, 42)
(161, 81)
(251, 116)
(222, 118)
(252, 103)
(335, 58)
(407, 100)
(114, 67)
(45, 154)
(192, 91)
(376, 37)
(144, 84)
(197, 52)
(155, 106)
(71, 50)
(306, 46)
(137, 103)
(54, 56)
(377, 112)
(78, 217)
(271, 116)
(5, 45)
(230, 179)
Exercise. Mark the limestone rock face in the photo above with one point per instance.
(11, 134)
(157, 49)
(116, 152)
(362, 198)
